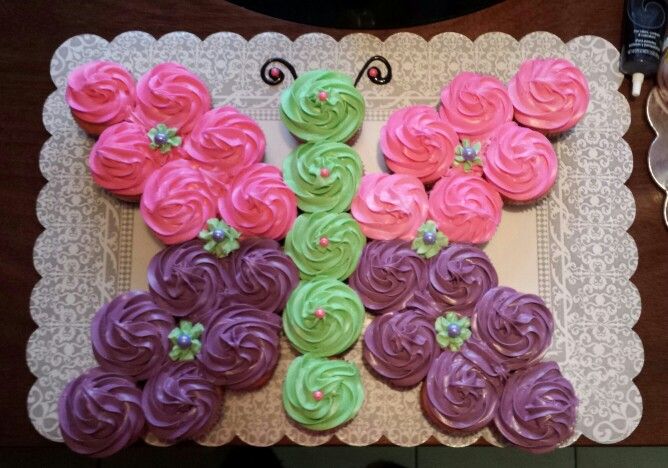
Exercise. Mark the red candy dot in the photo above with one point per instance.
(373, 72)
(322, 95)
(319, 313)
(324, 172)
(274, 72)
(317, 395)
(324, 242)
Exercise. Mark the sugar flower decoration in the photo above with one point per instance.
(452, 331)
(185, 341)
(163, 138)
(467, 155)
(429, 240)
(221, 239)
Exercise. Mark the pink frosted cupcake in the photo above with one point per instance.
(417, 142)
(224, 142)
(259, 203)
(170, 94)
(390, 206)
(549, 95)
(520, 163)
(100, 94)
(475, 105)
(177, 202)
(465, 207)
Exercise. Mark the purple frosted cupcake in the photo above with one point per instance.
(457, 396)
(186, 281)
(129, 335)
(180, 402)
(537, 411)
(400, 347)
(517, 327)
(100, 413)
(459, 276)
(260, 275)
(388, 275)
(241, 347)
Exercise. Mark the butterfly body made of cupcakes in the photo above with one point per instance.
(210, 318)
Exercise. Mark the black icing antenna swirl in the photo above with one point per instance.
(274, 75)
(374, 73)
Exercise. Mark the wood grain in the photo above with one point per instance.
(33, 30)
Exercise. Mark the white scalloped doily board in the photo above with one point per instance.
(572, 248)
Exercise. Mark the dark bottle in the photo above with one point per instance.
(644, 29)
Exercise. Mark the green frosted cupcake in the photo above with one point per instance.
(322, 394)
(322, 105)
(323, 317)
(325, 244)
(324, 175)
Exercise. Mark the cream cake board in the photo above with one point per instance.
(572, 248)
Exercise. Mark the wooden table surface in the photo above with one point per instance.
(31, 31)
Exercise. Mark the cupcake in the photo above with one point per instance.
(465, 207)
(321, 394)
(177, 202)
(322, 105)
(100, 413)
(520, 163)
(388, 275)
(180, 402)
(549, 95)
(324, 175)
(259, 275)
(323, 317)
(122, 160)
(241, 347)
(325, 244)
(517, 327)
(417, 142)
(171, 95)
(459, 276)
(100, 94)
(130, 335)
(390, 206)
(259, 203)
(475, 105)
(538, 409)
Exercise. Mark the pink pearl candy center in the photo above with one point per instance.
(317, 395)
(322, 95)
(324, 242)
(324, 172)
(319, 313)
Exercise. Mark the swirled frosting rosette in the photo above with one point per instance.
(172, 95)
(417, 142)
(475, 105)
(520, 163)
(325, 244)
(100, 413)
(180, 402)
(459, 276)
(458, 396)
(388, 275)
(186, 281)
(100, 94)
(517, 327)
(177, 202)
(121, 160)
(401, 346)
(259, 203)
(224, 141)
(260, 275)
(129, 335)
(549, 95)
(241, 347)
(324, 175)
(465, 207)
(390, 206)
(322, 105)
(323, 317)
(322, 394)
(537, 411)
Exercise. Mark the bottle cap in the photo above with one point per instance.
(637, 79)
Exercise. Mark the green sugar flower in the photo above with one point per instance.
(452, 331)
(220, 238)
(163, 138)
(185, 341)
(467, 155)
(429, 240)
